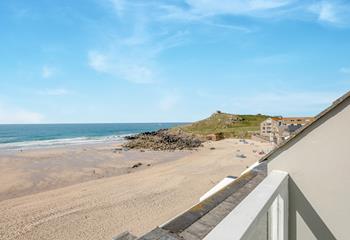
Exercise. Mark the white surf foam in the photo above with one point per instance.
(62, 142)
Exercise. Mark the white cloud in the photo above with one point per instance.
(127, 68)
(345, 70)
(169, 102)
(119, 6)
(98, 61)
(130, 57)
(207, 11)
(213, 7)
(133, 56)
(13, 115)
(148, 28)
(230, 27)
(268, 4)
(55, 92)
(332, 12)
(326, 12)
(47, 71)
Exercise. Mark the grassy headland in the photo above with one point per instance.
(192, 135)
(231, 125)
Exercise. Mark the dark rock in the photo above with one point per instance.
(137, 165)
(163, 140)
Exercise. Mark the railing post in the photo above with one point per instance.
(278, 220)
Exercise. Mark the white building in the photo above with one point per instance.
(279, 129)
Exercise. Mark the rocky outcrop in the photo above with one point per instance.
(163, 140)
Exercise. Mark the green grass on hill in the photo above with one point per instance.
(230, 125)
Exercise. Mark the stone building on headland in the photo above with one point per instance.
(278, 129)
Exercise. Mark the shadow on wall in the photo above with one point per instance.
(299, 204)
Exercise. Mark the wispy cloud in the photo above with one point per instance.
(55, 92)
(146, 29)
(207, 11)
(12, 115)
(127, 68)
(169, 101)
(47, 71)
(332, 12)
(212, 7)
(119, 6)
(192, 15)
(200, 10)
(98, 61)
(345, 70)
(133, 55)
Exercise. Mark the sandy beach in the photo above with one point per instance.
(35, 170)
(93, 192)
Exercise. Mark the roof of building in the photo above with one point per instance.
(292, 118)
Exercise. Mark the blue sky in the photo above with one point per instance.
(155, 61)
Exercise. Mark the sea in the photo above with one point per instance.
(28, 136)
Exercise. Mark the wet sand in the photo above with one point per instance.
(119, 198)
(36, 170)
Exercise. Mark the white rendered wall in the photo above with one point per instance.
(319, 186)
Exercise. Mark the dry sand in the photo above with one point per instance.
(134, 200)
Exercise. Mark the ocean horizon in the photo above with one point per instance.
(24, 136)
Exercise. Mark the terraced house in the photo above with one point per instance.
(279, 129)
(298, 191)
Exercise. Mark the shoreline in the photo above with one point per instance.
(27, 135)
(62, 142)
